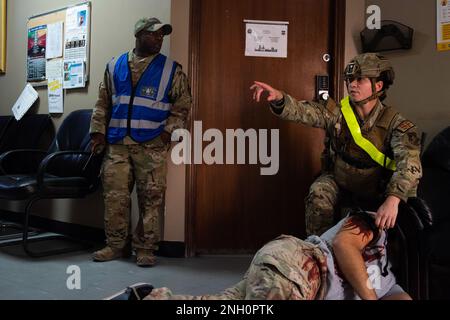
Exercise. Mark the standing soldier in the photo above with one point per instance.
(143, 98)
(372, 153)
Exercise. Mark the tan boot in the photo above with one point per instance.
(145, 258)
(110, 253)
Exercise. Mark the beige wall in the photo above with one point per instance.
(355, 10)
(175, 197)
(421, 90)
(354, 23)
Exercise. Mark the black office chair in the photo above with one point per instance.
(434, 188)
(33, 131)
(67, 170)
(405, 246)
(424, 226)
(4, 123)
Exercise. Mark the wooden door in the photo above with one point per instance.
(233, 208)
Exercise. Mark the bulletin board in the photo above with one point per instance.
(58, 46)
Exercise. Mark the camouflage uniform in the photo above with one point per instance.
(127, 162)
(286, 268)
(348, 172)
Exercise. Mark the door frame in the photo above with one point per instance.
(337, 46)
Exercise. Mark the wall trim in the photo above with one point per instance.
(194, 62)
(338, 45)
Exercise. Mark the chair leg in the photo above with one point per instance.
(424, 270)
(16, 226)
(26, 226)
(25, 241)
(405, 269)
(10, 225)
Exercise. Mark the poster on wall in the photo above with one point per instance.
(443, 25)
(75, 38)
(55, 95)
(73, 74)
(37, 43)
(75, 46)
(54, 74)
(54, 40)
(266, 38)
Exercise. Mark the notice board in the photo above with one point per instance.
(58, 46)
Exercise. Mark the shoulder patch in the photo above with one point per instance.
(405, 126)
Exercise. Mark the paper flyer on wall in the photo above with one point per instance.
(266, 38)
(37, 43)
(54, 40)
(55, 96)
(54, 69)
(75, 36)
(443, 25)
(24, 102)
(73, 74)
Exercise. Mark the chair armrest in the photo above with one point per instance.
(423, 212)
(409, 219)
(48, 159)
(8, 154)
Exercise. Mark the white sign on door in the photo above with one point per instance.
(266, 38)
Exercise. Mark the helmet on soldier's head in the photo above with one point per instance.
(370, 65)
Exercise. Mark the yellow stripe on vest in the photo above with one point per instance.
(362, 142)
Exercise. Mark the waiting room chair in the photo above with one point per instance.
(33, 131)
(67, 170)
(434, 188)
(404, 245)
(423, 228)
(4, 123)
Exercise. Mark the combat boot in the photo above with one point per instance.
(110, 253)
(145, 258)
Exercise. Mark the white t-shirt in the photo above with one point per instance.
(375, 257)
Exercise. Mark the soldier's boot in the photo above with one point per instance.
(109, 253)
(137, 291)
(145, 258)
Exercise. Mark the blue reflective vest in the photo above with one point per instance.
(140, 112)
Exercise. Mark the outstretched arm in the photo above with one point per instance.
(258, 89)
(288, 108)
(348, 246)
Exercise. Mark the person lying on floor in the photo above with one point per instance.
(347, 262)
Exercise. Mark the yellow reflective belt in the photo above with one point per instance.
(362, 142)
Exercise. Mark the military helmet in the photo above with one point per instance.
(370, 65)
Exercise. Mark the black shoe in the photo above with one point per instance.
(137, 291)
